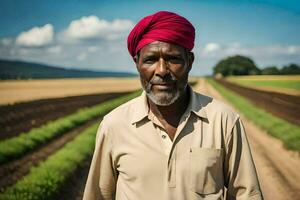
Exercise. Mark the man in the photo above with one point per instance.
(170, 143)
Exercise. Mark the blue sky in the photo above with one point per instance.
(92, 34)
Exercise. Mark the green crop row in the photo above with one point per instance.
(43, 181)
(285, 131)
(18, 146)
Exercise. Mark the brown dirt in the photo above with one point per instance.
(11, 172)
(277, 168)
(22, 117)
(282, 105)
(287, 91)
(267, 77)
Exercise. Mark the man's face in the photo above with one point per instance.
(164, 69)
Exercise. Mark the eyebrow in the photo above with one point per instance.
(154, 53)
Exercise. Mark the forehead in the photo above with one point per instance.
(162, 47)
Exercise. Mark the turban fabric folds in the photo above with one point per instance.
(162, 26)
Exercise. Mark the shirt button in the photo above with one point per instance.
(163, 136)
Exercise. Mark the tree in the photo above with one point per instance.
(273, 70)
(236, 65)
(290, 69)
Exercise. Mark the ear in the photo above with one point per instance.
(136, 61)
(191, 58)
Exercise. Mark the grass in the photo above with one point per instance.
(277, 127)
(44, 181)
(18, 146)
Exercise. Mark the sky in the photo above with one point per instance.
(92, 34)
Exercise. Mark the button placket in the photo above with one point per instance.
(166, 141)
(172, 156)
(172, 170)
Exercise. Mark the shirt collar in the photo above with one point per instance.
(195, 105)
(141, 110)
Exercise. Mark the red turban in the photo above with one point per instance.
(162, 26)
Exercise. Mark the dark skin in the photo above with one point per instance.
(164, 60)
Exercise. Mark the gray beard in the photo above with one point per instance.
(161, 98)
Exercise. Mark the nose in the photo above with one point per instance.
(162, 68)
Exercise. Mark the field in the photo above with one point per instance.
(289, 84)
(46, 144)
(56, 147)
(27, 90)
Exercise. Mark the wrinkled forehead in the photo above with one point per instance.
(162, 47)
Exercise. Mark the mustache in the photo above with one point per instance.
(163, 80)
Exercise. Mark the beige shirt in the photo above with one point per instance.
(209, 158)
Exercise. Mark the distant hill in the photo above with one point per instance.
(27, 70)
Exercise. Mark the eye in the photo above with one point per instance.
(175, 60)
(149, 60)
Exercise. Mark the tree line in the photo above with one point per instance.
(242, 65)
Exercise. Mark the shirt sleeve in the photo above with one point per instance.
(101, 182)
(240, 174)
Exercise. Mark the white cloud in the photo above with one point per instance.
(293, 49)
(211, 47)
(36, 37)
(280, 49)
(6, 41)
(92, 27)
(23, 52)
(55, 49)
(92, 49)
(81, 57)
(214, 50)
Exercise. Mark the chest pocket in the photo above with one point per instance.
(206, 171)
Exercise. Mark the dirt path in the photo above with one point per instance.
(278, 168)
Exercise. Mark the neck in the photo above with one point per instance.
(171, 113)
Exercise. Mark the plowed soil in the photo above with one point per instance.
(282, 105)
(21, 117)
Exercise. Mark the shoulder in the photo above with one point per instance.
(117, 120)
(217, 111)
(122, 114)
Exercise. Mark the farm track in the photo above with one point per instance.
(13, 171)
(21, 117)
(282, 105)
(277, 168)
